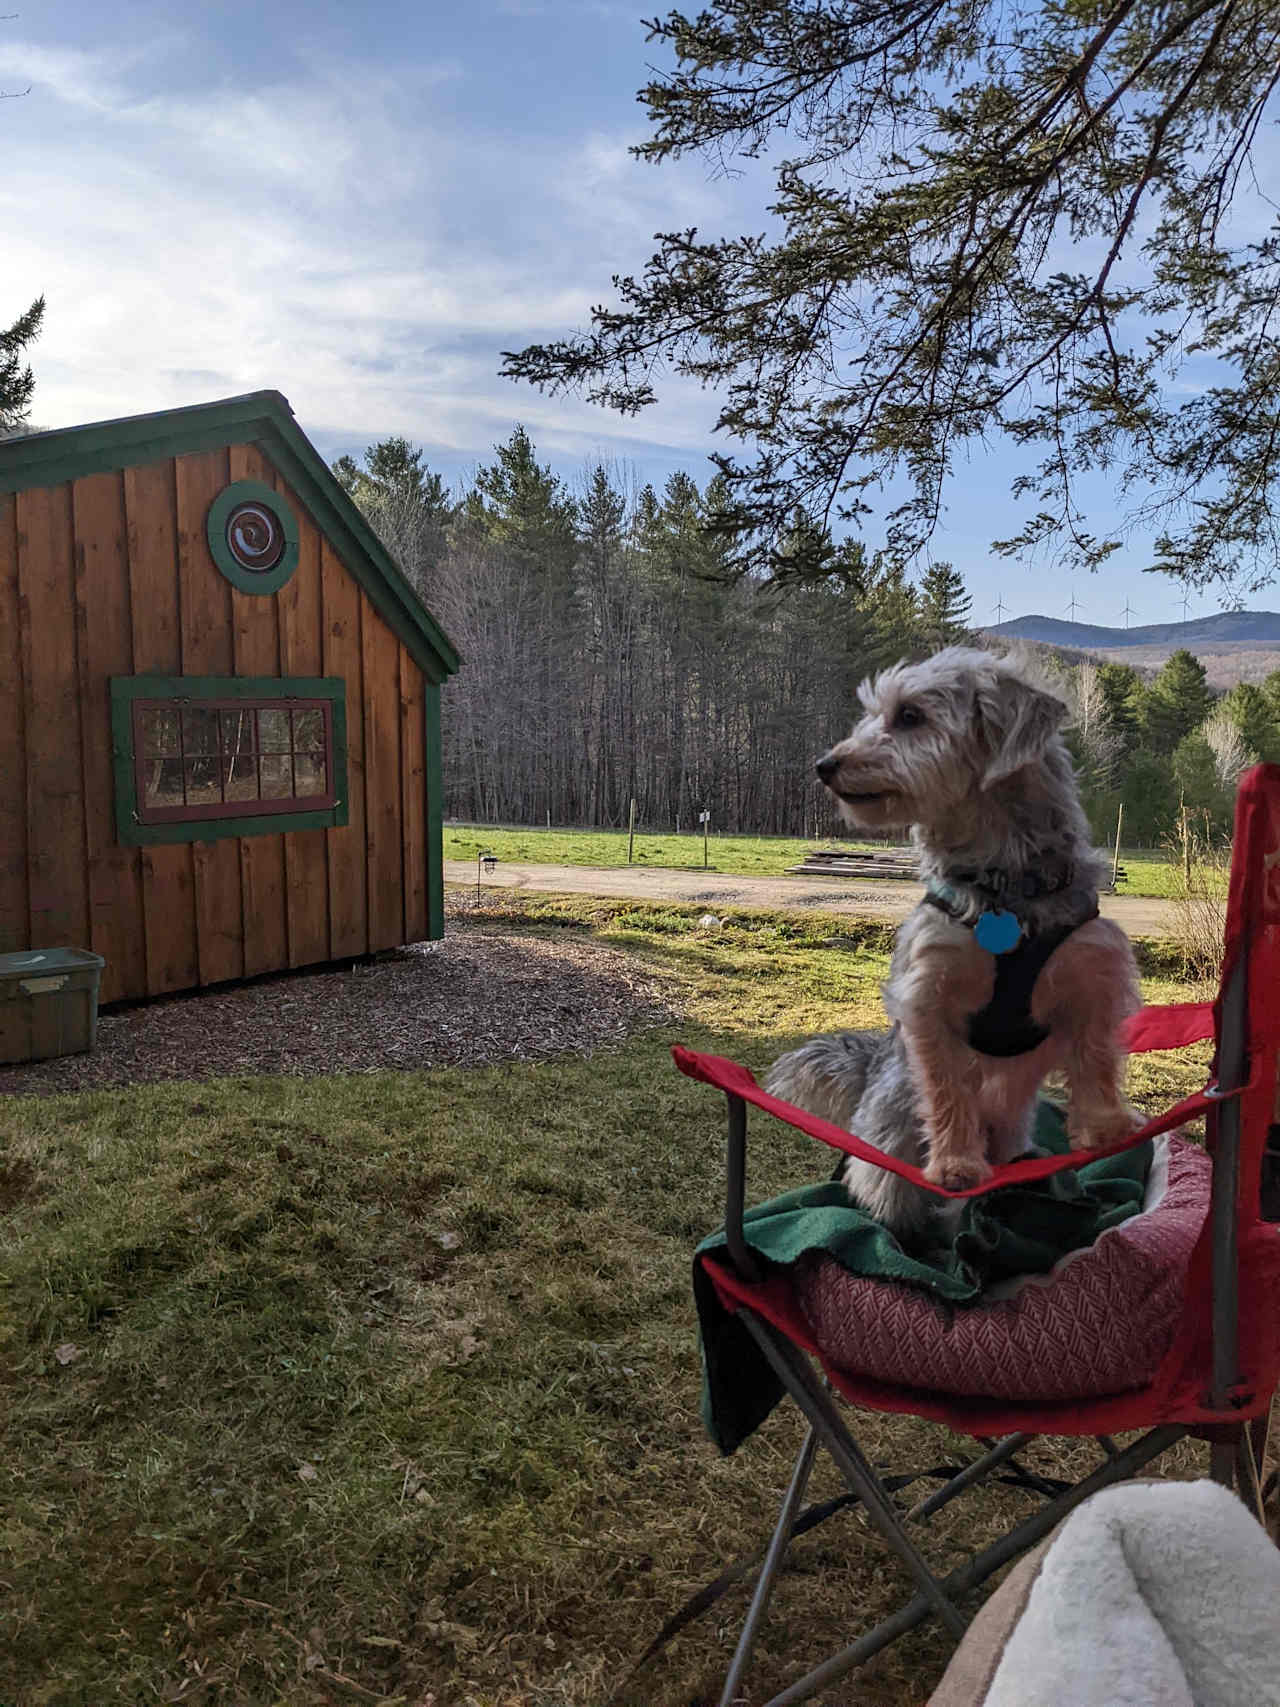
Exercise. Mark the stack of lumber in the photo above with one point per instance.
(900, 865)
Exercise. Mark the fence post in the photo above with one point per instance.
(706, 830)
(631, 830)
(1115, 869)
(1186, 848)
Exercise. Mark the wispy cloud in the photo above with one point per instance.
(326, 236)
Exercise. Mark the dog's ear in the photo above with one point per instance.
(1018, 721)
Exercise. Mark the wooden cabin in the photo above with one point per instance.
(219, 705)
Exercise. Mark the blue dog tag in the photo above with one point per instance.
(998, 932)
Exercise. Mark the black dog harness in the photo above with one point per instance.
(1004, 1027)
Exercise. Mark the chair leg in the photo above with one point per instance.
(1260, 1435)
(796, 1373)
(769, 1570)
(969, 1475)
(1248, 1478)
(1222, 1463)
(1026, 1534)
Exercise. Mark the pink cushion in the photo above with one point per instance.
(1099, 1323)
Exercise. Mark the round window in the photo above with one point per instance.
(253, 536)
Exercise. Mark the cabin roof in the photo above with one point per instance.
(263, 418)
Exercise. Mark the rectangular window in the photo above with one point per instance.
(202, 757)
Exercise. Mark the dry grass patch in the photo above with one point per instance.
(383, 1387)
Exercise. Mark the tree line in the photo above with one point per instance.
(608, 657)
(1165, 743)
(611, 655)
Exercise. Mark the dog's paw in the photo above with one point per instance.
(1097, 1129)
(956, 1173)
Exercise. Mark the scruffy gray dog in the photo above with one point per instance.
(1004, 972)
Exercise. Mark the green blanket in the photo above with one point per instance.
(1019, 1229)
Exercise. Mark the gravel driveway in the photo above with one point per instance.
(479, 996)
(1139, 915)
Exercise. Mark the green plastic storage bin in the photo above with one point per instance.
(48, 1003)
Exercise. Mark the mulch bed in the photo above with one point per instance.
(482, 995)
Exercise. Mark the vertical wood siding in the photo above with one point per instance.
(413, 798)
(111, 575)
(348, 898)
(384, 839)
(58, 889)
(168, 872)
(104, 648)
(15, 918)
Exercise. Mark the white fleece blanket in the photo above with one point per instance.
(1149, 1595)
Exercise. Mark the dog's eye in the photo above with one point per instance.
(909, 717)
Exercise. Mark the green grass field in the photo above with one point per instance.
(384, 1388)
(1148, 872)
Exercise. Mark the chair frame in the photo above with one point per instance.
(1238, 1446)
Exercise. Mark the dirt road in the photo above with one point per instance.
(710, 889)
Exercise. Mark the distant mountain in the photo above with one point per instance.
(1228, 629)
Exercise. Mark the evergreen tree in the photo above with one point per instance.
(1150, 794)
(1201, 785)
(16, 379)
(405, 503)
(524, 507)
(944, 605)
(1249, 708)
(1122, 689)
(1177, 702)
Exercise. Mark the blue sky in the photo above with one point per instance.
(361, 205)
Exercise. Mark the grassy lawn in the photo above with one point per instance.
(1148, 871)
(384, 1388)
(736, 856)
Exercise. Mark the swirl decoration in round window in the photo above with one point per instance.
(253, 536)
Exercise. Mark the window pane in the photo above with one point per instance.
(239, 776)
(310, 774)
(162, 785)
(203, 787)
(273, 731)
(308, 731)
(239, 730)
(277, 776)
(216, 758)
(160, 731)
(199, 730)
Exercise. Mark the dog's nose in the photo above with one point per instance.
(827, 767)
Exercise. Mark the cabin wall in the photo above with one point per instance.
(111, 575)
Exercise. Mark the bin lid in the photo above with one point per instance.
(41, 960)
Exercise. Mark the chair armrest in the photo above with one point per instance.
(735, 1193)
(737, 1081)
(1171, 1027)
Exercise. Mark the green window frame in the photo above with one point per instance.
(252, 496)
(323, 698)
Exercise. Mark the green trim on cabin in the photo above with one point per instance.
(215, 526)
(262, 418)
(125, 689)
(435, 813)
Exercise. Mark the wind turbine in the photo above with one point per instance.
(1001, 607)
(1186, 601)
(1074, 606)
(1128, 612)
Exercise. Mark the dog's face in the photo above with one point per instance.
(935, 736)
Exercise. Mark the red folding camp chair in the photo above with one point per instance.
(1221, 1367)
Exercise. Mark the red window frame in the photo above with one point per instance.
(251, 806)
